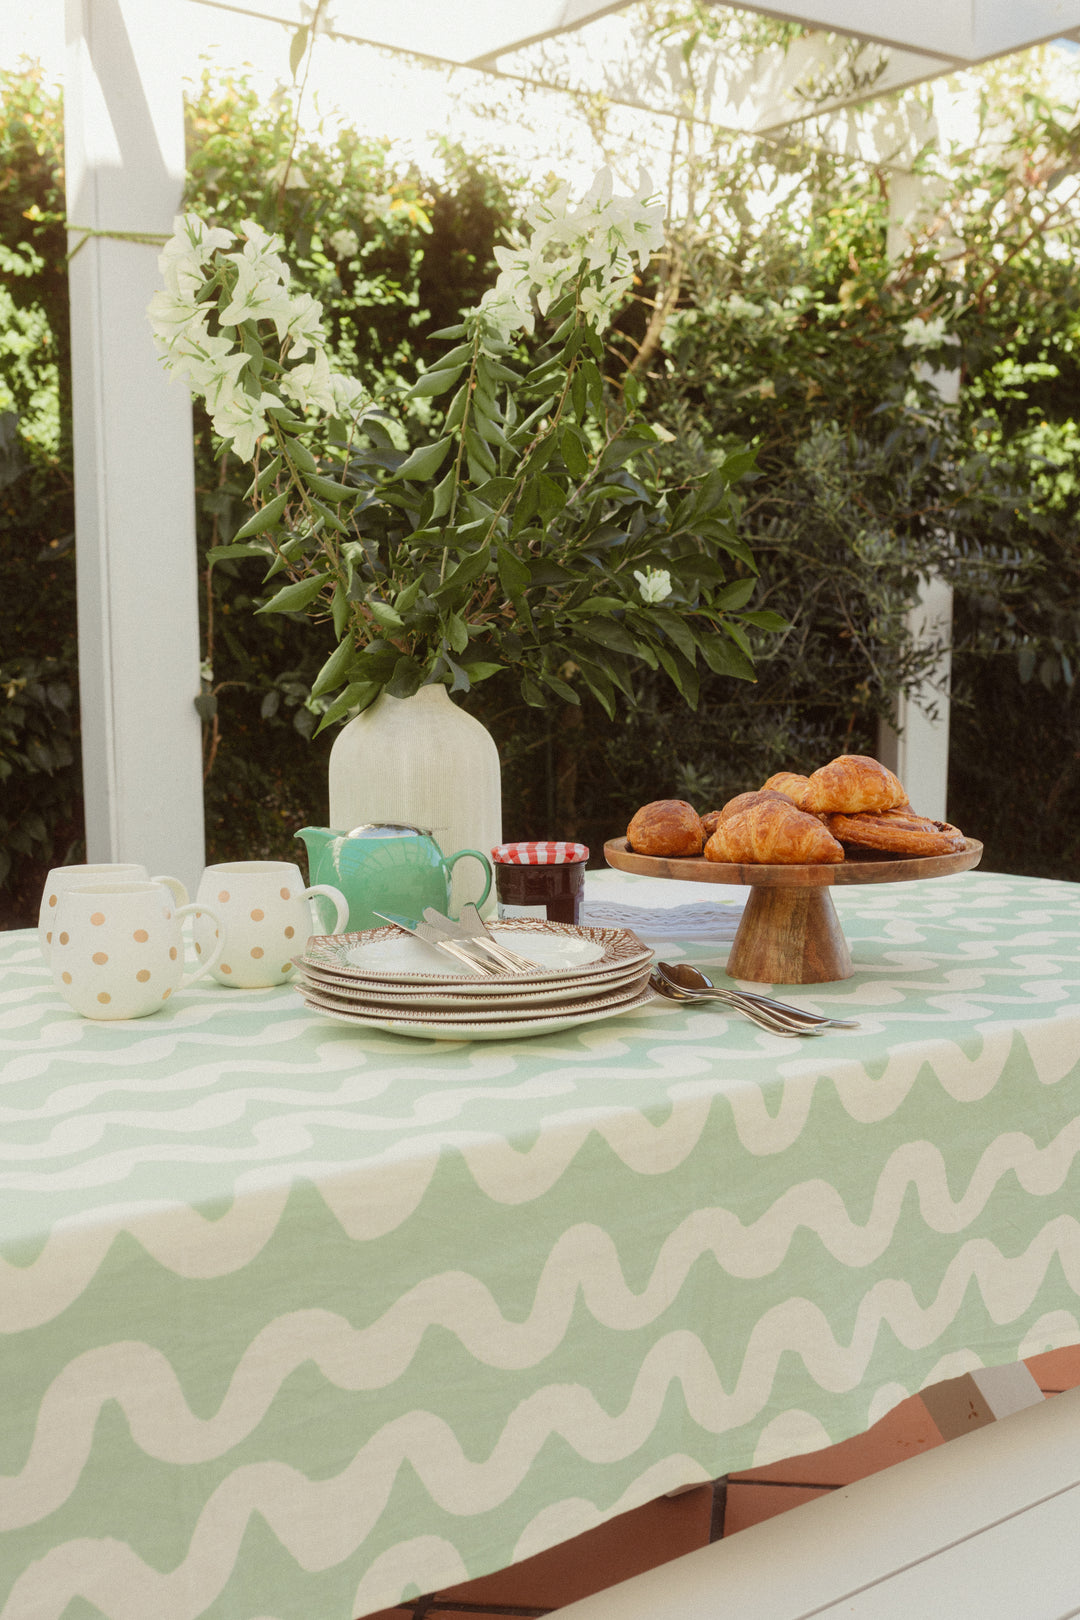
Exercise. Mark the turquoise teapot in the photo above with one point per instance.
(385, 867)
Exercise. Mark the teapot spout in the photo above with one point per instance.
(314, 838)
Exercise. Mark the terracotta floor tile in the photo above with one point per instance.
(1056, 1369)
(749, 1503)
(903, 1432)
(625, 1546)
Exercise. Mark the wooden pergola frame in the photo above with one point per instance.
(135, 507)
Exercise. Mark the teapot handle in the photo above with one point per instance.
(449, 860)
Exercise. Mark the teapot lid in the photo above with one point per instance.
(386, 829)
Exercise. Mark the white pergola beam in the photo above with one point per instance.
(134, 484)
(476, 34)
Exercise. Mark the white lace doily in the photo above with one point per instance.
(690, 922)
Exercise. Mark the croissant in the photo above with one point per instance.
(666, 827)
(899, 831)
(851, 784)
(788, 783)
(743, 801)
(773, 832)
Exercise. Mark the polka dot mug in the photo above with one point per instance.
(118, 950)
(266, 917)
(77, 877)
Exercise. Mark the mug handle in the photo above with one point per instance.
(448, 862)
(179, 893)
(341, 905)
(206, 911)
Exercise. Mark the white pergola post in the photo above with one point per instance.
(916, 747)
(134, 502)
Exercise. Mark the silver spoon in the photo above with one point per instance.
(764, 1020)
(694, 982)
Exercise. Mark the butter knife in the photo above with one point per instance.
(431, 936)
(472, 930)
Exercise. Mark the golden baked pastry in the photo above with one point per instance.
(743, 801)
(773, 832)
(666, 827)
(851, 784)
(710, 821)
(788, 783)
(899, 831)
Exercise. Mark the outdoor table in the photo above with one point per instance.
(301, 1320)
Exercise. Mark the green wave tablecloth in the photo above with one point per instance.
(298, 1321)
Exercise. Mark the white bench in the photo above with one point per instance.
(985, 1527)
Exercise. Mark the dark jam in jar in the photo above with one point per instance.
(548, 879)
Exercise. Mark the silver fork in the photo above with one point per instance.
(476, 932)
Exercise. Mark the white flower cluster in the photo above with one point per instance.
(217, 368)
(921, 334)
(605, 230)
(654, 584)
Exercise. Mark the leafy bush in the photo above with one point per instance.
(786, 326)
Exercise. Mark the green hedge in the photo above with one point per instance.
(790, 330)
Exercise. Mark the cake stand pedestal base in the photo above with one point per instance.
(790, 936)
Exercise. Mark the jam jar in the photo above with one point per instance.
(541, 880)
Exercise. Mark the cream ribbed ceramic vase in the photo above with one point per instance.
(423, 761)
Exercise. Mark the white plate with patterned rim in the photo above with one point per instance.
(468, 1030)
(561, 951)
(474, 996)
(346, 999)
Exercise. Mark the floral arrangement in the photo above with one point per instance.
(533, 530)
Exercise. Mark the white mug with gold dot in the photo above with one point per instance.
(76, 877)
(266, 917)
(118, 949)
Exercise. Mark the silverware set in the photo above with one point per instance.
(476, 948)
(681, 982)
(463, 939)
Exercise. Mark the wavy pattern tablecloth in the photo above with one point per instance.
(297, 1321)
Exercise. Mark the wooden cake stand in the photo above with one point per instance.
(790, 933)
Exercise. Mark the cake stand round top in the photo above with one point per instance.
(859, 866)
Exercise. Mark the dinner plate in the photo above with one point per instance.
(470, 1030)
(480, 1015)
(476, 997)
(561, 951)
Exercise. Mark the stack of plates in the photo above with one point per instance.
(384, 979)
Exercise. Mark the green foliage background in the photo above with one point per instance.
(787, 327)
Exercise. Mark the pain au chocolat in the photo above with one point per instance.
(898, 832)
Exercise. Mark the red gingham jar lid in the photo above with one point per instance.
(539, 854)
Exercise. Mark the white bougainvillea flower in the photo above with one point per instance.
(204, 362)
(604, 230)
(349, 396)
(309, 384)
(174, 315)
(654, 584)
(191, 246)
(920, 334)
(240, 419)
(345, 243)
(302, 324)
(258, 295)
(264, 248)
